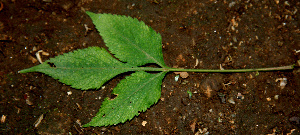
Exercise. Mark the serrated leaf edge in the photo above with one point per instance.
(143, 109)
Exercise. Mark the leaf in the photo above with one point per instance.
(129, 39)
(135, 94)
(135, 45)
(83, 69)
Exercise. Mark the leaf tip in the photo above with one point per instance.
(89, 13)
(25, 70)
(86, 125)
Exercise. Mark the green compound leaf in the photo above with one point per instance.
(129, 39)
(83, 69)
(135, 45)
(135, 94)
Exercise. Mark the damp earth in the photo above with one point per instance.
(209, 34)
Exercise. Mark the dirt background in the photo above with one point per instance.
(231, 33)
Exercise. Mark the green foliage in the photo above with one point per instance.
(135, 45)
(129, 40)
(135, 93)
(83, 69)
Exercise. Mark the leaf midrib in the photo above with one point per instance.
(110, 68)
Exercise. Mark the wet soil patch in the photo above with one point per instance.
(213, 34)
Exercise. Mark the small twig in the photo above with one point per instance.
(39, 120)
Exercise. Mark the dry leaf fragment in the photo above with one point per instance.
(208, 91)
(33, 60)
(193, 126)
(180, 58)
(182, 74)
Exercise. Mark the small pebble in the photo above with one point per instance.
(240, 96)
(176, 78)
(283, 82)
(3, 118)
(144, 123)
(69, 93)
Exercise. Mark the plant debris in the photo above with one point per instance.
(182, 74)
(39, 120)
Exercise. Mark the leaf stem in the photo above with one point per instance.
(290, 67)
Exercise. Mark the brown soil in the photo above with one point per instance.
(236, 34)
